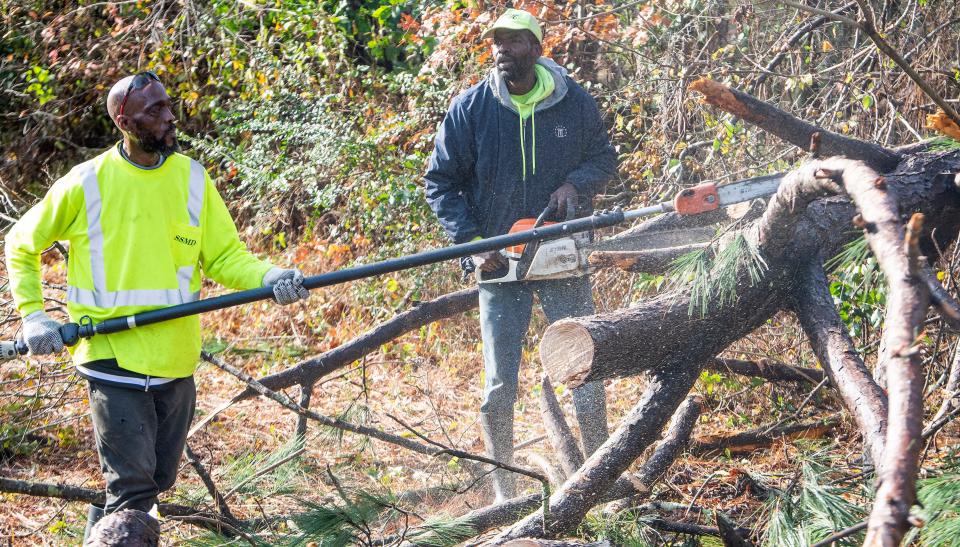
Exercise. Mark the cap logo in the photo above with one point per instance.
(560, 131)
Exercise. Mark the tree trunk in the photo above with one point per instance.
(796, 224)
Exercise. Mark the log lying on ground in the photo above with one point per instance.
(764, 437)
(833, 346)
(586, 488)
(767, 369)
(66, 492)
(662, 330)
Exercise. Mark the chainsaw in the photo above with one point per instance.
(568, 256)
(545, 249)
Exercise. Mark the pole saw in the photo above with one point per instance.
(692, 201)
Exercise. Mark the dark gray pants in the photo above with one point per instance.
(140, 436)
(505, 310)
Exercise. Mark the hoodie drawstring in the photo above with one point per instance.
(523, 147)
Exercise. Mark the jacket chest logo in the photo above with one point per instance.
(560, 131)
(185, 240)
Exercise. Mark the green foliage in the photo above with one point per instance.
(859, 291)
(627, 528)
(694, 268)
(713, 280)
(944, 144)
(244, 474)
(816, 512)
(295, 156)
(939, 501)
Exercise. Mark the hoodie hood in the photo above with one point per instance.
(499, 86)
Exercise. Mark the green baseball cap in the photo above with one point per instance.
(516, 19)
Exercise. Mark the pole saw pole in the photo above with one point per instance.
(86, 328)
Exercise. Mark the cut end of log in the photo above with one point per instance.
(567, 352)
(720, 96)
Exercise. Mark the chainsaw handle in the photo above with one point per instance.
(547, 213)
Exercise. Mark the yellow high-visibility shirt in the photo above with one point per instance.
(138, 240)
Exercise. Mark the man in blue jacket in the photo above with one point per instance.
(525, 137)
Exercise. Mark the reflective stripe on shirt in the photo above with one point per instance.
(99, 296)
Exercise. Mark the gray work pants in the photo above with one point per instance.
(505, 310)
(140, 436)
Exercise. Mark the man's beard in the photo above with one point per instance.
(152, 144)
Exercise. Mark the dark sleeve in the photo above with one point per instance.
(599, 163)
(450, 174)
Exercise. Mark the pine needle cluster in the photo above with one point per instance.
(713, 276)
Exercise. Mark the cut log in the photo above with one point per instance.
(561, 438)
(791, 129)
(586, 488)
(127, 528)
(831, 343)
(661, 331)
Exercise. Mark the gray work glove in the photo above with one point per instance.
(42, 334)
(287, 285)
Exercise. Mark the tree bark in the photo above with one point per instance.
(748, 441)
(768, 370)
(68, 492)
(561, 438)
(730, 534)
(653, 261)
(828, 336)
(796, 224)
(311, 370)
(587, 486)
(667, 450)
(907, 302)
(791, 129)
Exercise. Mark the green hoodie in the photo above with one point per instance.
(526, 107)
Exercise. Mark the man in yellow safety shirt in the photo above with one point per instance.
(142, 221)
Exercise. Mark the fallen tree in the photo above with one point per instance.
(904, 201)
